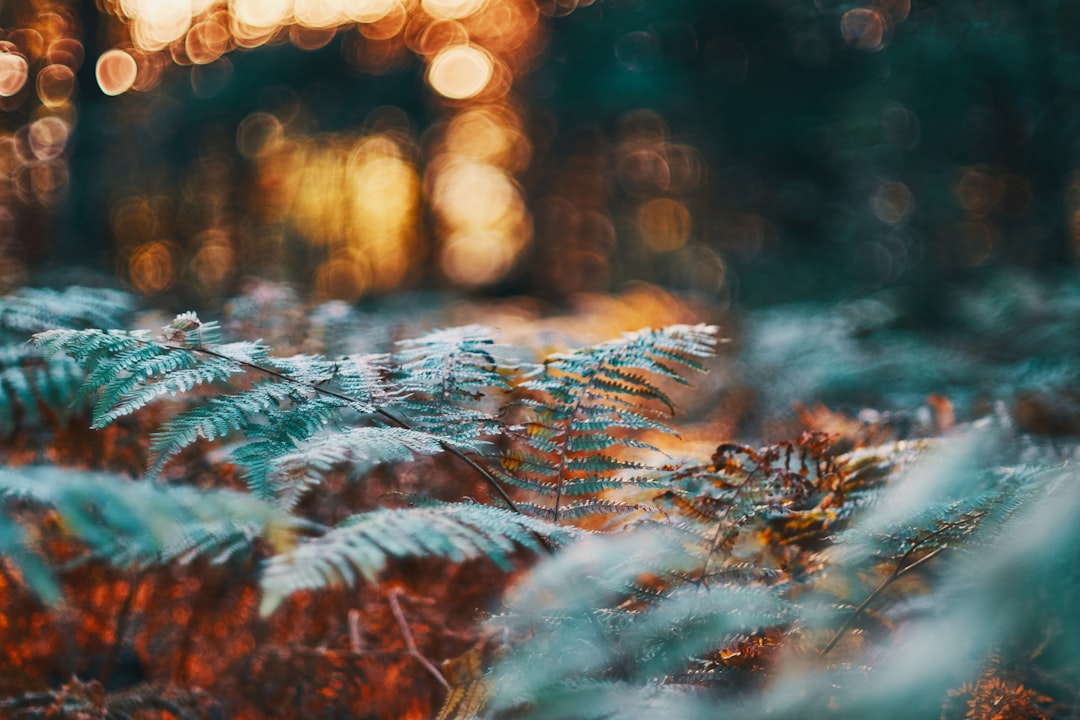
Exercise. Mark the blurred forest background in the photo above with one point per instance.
(747, 151)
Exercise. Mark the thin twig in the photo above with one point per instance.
(356, 641)
(901, 570)
(122, 620)
(703, 578)
(410, 642)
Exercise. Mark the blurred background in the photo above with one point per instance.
(748, 152)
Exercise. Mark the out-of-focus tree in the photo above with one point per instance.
(761, 150)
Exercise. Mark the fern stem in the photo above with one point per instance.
(899, 572)
(390, 417)
(410, 641)
(565, 451)
(461, 456)
(703, 578)
(122, 621)
(902, 568)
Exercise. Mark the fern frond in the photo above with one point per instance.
(360, 546)
(33, 310)
(219, 416)
(279, 435)
(136, 524)
(446, 376)
(585, 407)
(360, 449)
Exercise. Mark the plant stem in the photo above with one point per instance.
(410, 642)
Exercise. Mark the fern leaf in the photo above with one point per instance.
(361, 546)
(33, 310)
(360, 448)
(446, 376)
(137, 524)
(586, 405)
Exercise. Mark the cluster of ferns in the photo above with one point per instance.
(761, 582)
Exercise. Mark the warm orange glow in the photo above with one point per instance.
(28, 41)
(115, 72)
(13, 73)
(55, 85)
(151, 267)
(319, 13)
(258, 134)
(344, 277)
(66, 51)
(207, 41)
(214, 263)
(460, 72)
(483, 214)
(359, 198)
(492, 135)
(47, 181)
(156, 23)
(475, 195)
(261, 13)
(477, 258)
(369, 11)
(48, 136)
(9, 157)
(387, 26)
(664, 223)
(451, 9)
(437, 36)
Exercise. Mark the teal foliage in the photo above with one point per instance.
(582, 408)
(666, 618)
(361, 545)
(295, 419)
(459, 367)
(30, 382)
(132, 525)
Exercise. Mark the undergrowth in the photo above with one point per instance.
(329, 535)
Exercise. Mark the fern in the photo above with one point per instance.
(30, 382)
(33, 310)
(361, 545)
(677, 615)
(455, 368)
(583, 407)
(135, 524)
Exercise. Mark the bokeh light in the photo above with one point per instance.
(865, 28)
(451, 9)
(665, 224)
(115, 72)
(152, 267)
(13, 72)
(55, 85)
(460, 72)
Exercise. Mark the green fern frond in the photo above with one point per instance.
(360, 546)
(136, 524)
(29, 380)
(219, 416)
(585, 407)
(278, 435)
(358, 448)
(33, 310)
(447, 377)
